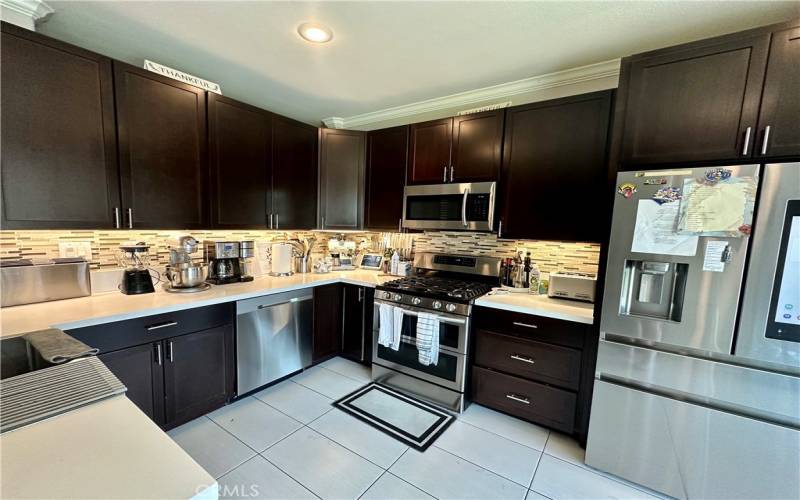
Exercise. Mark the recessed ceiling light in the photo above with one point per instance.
(314, 32)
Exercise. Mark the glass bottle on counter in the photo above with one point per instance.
(533, 284)
(544, 283)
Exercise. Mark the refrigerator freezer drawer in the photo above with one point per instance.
(766, 395)
(690, 451)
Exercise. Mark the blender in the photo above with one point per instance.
(136, 279)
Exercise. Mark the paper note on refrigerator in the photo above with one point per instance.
(721, 208)
(714, 259)
(655, 230)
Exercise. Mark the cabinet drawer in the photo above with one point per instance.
(530, 359)
(553, 331)
(538, 403)
(121, 334)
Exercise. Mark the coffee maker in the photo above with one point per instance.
(224, 262)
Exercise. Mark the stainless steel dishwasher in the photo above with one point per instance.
(273, 337)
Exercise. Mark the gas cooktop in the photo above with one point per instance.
(455, 290)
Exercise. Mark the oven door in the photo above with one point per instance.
(449, 372)
(466, 206)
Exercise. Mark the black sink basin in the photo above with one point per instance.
(17, 356)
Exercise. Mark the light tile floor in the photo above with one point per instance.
(288, 442)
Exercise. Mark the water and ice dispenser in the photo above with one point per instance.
(653, 289)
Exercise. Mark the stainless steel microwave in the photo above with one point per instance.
(467, 206)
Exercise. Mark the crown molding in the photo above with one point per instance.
(571, 76)
(33, 10)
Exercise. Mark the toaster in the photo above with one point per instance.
(576, 286)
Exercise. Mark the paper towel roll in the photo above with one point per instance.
(282, 258)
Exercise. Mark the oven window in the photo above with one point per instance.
(448, 334)
(408, 355)
(445, 207)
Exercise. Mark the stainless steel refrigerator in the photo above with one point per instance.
(697, 390)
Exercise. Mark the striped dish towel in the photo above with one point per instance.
(428, 338)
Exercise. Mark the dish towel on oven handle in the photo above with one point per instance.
(428, 338)
(390, 327)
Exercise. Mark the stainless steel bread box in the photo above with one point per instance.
(26, 283)
(576, 286)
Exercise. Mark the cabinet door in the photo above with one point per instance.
(162, 150)
(294, 174)
(387, 154)
(353, 330)
(59, 166)
(341, 178)
(780, 104)
(694, 104)
(554, 169)
(240, 155)
(430, 144)
(140, 369)
(198, 373)
(327, 321)
(477, 144)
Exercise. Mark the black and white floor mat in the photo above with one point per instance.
(407, 419)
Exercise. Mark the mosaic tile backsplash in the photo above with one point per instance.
(550, 256)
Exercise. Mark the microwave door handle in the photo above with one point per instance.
(464, 207)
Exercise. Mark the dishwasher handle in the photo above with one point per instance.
(264, 302)
(290, 301)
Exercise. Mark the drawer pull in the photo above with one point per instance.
(158, 326)
(524, 359)
(526, 325)
(518, 399)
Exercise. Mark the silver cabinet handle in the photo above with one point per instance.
(270, 220)
(766, 140)
(158, 353)
(130, 218)
(500, 229)
(400, 225)
(360, 294)
(746, 145)
(524, 359)
(277, 221)
(526, 325)
(323, 222)
(169, 351)
(464, 207)
(444, 175)
(451, 173)
(159, 326)
(116, 218)
(518, 399)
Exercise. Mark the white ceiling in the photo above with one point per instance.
(387, 54)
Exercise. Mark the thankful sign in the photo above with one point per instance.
(181, 76)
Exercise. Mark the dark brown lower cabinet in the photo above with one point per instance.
(357, 304)
(139, 370)
(198, 376)
(327, 321)
(535, 368)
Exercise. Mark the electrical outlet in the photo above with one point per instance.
(67, 249)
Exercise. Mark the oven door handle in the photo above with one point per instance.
(464, 207)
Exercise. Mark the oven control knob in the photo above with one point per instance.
(450, 307)
(437, 304)
(397, 297)
(416, 301)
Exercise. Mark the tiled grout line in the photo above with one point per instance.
(259, 455)
(538, 461)
(506, 437)
(540, 458)
(479, 466)
(611, 478)
(410, 483)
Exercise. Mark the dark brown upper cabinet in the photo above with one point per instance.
(162, 150)
(779, 133)
(555, 169)
(59, 157)
(240, 157)
(387, 155)
(294, 174)
(477, 146)
(341, 178)
(429, 151)
(693, 103)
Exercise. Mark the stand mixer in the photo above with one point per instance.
(183, 273)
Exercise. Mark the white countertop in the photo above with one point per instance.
(109, 449)
(540, 305)
(114, 306)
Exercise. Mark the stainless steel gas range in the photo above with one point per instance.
(445, 285)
